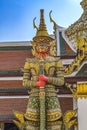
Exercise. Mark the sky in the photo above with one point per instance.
(16, 17)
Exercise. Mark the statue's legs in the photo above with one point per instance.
(31, 125)
(56, 125)
(54, 113)
(32, 113)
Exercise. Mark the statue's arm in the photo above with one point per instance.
(58, 79)
(27, 80)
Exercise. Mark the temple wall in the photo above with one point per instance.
(13, 96)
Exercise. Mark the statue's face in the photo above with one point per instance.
(42, 48)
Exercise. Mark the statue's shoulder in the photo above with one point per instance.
(52, 59)
(31, 62)
(56, 60)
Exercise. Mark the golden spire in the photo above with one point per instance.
(42, 33)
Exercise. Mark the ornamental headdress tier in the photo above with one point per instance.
(42, 33)
(42, 42)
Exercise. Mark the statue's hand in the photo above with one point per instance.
(43, 78)
(40, 83)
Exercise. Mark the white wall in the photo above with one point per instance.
(82, 114)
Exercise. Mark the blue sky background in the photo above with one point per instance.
(16, 16)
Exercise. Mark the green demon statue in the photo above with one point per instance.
(42, 74)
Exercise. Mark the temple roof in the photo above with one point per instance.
(83, 71)
(78, 69)
(80, 26)
(64, 47)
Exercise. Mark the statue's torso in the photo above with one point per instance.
(47, 67)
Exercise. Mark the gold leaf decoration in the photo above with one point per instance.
(18, 124)
(71, 123)
(68, 115)
(19, 116)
